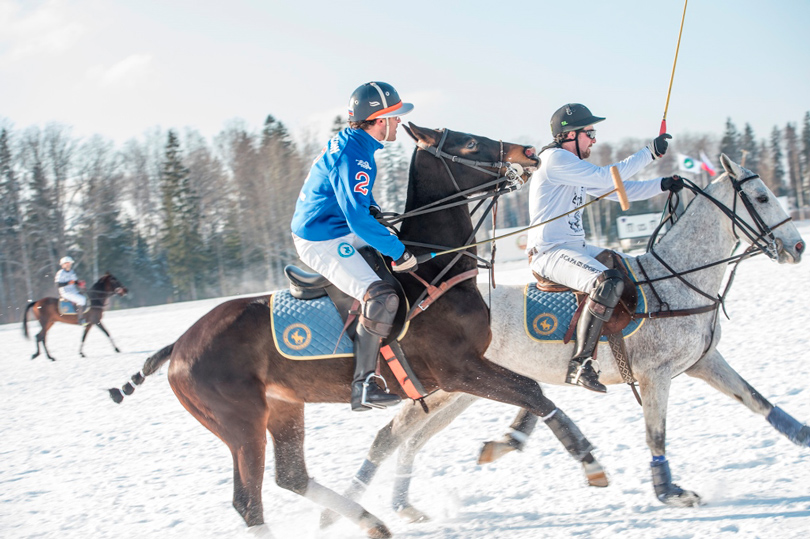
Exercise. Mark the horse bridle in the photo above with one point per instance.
(513, 173)
(761, 238)
(765, 232)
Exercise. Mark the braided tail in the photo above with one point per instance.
(151, 366)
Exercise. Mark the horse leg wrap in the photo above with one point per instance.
(361, 480)
(662, 481)
(783, 422)
(569, 435)
(402, 484)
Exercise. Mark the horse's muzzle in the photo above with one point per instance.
(790, 255)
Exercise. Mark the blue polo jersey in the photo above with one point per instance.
(336, 195)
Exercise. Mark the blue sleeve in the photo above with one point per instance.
(352, 184)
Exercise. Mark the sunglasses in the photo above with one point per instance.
(590, 133)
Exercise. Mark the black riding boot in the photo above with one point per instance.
(598, 309)
(366, 394)
(580, 368)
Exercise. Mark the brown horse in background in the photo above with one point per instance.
(227, 372)
(46, 310)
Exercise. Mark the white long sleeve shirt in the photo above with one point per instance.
(560, 185)
(63, 276)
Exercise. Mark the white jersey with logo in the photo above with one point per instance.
(561, 184)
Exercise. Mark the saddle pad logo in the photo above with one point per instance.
(545, 323)
(297, 336)
(345, 250)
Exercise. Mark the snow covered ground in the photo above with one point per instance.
(74, 464)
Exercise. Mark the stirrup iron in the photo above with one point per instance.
(364, 395)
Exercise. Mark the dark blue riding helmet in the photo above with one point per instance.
(376, 100)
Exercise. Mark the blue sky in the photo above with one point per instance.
(119, 68)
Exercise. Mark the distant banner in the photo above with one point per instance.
(687, 164)
(707, 164)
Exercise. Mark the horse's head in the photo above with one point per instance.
(113, 285)
(471, 161)
(766, 222)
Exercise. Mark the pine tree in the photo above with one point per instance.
(13, 247)
(181, 238)
(794, 173)
(280, 168)
(391, 183)
(805, 156)
(338, 124)
(748, 144)
(730, 143)
(778, 169)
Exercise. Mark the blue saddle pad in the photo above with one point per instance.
(547, 315)
(307, 329)
(66, 307)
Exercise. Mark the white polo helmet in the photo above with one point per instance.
(65, 259)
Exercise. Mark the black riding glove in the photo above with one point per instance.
(407, 262)
(672, 183)
(376, 212)
(658, 147)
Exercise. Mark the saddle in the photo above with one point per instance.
(312, 286)
(622, 314)
(306, 286)
(68, 307)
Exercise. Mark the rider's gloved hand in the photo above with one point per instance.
(672, 183)
(658, 147)
(407, 262)
(376, 212)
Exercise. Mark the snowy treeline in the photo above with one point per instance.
(177, 217)
(173, 216)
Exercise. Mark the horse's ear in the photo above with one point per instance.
(429, 136)
(734, 170)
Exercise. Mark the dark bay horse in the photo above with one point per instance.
(227, 372)
(46, 310)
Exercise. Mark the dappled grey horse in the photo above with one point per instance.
(683, 272)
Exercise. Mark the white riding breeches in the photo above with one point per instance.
(570, 264)
(338, 261)
(74, 297)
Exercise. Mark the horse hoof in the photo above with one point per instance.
(680, 498)
(328, 518)
(595, 474)
(492, 451)
(380, 531)
(117, 350)
(260, 531)
(412, 515)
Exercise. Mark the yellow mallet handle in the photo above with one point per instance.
(620, 192)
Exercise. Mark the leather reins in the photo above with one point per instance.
(761, 237)
(513, 174)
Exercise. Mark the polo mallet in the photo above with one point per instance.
(672, 77)
(621, 193)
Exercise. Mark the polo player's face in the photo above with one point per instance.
(393, 123)
(66, 266)
(585, 142)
